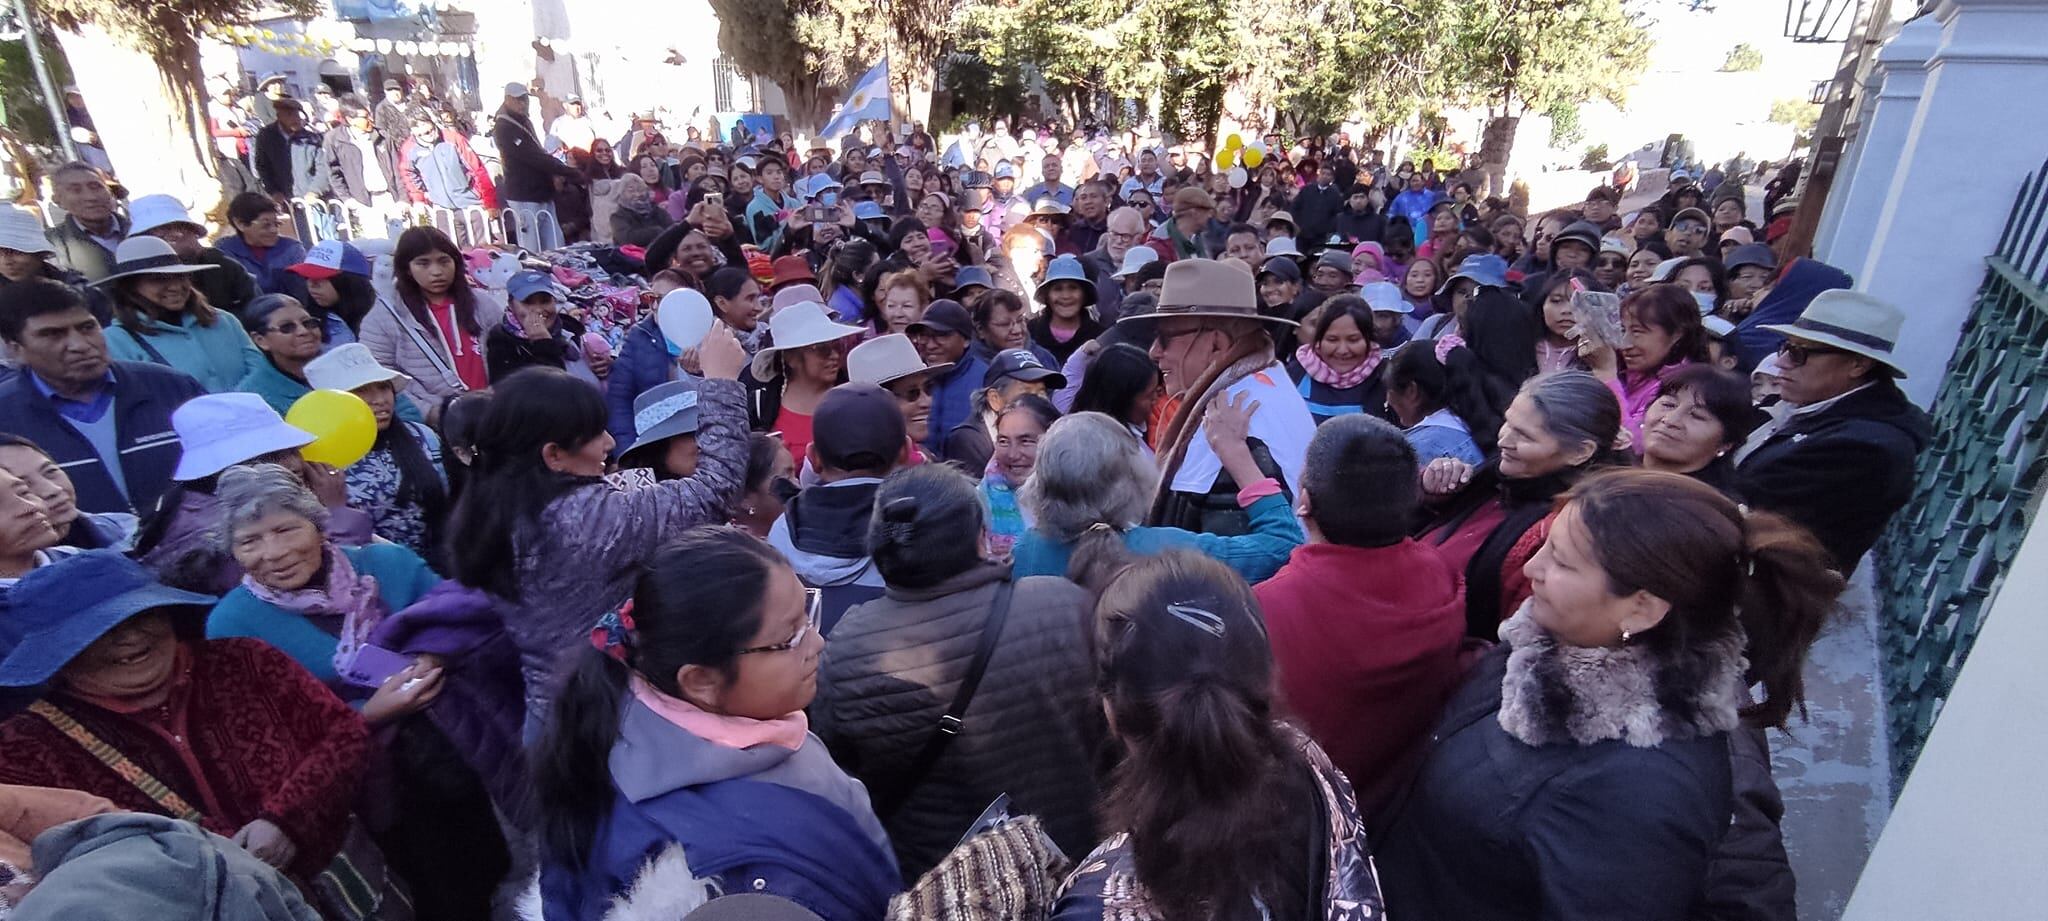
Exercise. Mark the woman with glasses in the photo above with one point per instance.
(289, 337)
(1030, 729)
(684, 754)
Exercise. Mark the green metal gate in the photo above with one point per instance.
(1946, 554)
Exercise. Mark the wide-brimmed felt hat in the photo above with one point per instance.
(220, 430)
(60, 609)
(1851, 321)
(663, 412)
(150, 212)
(147, 255)
(22, 231)
(794, 327)
(1207, 288)
(349, 366)
(888, 358)
(1067, 268)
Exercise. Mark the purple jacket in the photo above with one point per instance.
(481, 704)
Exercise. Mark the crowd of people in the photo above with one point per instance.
(1321, 541)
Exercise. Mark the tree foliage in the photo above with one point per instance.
(1743, 58)
(1801, 114)
(814, 49)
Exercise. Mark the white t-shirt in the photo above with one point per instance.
(1282, 423)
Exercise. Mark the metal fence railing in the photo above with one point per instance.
(1947, 552)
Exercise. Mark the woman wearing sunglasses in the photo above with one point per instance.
(687, 756)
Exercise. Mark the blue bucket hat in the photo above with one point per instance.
(56, 611)
(868, 211)
(1485, 268)
(1066, 268)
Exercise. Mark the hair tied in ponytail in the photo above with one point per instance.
(1102, 526)
(1205, 621)
(899, 519)
(614, 634)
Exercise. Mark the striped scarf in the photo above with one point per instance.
(1323, 374)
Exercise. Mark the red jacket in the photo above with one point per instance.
(262, 739)
(415, 183)
(1366, 641)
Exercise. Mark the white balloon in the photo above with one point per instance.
(1238, 178)
(684, 318)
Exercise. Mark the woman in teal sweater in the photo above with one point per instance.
(1093, 483)
(160, 318)
(317, 601)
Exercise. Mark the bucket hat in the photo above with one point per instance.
(1206, 288)
(329, 258)
(220, 430)
(888, 358)
(1020, 364)
(1758, 254)
(1048, 206)
(868, 211)
(873, 177)
(791, 270)
(1284, 246)
(1852, 321)
(794, 327)
(150, 212)
(1137, 257)
(348, 366)
(147, 255)
(1068, 268)
(1283, 217)
(66, 606)
(1384, 297)
(663, 412)
(22, 231)
(971, 276)
(1489, 270)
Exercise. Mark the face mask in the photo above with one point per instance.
(829, 199)
(1706, 301)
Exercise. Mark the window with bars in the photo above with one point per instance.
(731, 89)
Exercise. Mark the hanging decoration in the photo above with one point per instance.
(298, 44)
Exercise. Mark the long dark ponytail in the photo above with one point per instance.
(697, 602)
(528, 411)
(1216, 798)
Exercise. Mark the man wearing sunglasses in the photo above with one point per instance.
(1838, 457)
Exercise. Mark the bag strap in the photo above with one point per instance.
(119, 763)
(950, 724)
(143, 342)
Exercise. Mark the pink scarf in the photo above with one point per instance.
(347, 595)
(736, 732)
(1323, 374)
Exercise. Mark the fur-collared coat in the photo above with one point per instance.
(1561, 785)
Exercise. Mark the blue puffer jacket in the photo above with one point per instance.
(643, 363)
(761, 819)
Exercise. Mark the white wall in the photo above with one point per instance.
(1968, 839)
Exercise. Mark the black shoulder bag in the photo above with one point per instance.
(888, 801)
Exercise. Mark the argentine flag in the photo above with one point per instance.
(869, 101)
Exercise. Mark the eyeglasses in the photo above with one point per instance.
(813, 609)
(289, 327)
(909, 392)
(1796, 355)
(1611, 262)
(1166, 338)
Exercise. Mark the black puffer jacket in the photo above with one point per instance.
(894, 666)
(1843, 471)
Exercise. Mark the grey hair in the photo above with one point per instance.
(250, 492)
(1577, 408)
(1091, 470)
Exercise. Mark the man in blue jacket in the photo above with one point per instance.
(106, 423)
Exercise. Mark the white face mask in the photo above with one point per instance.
(1706, 301)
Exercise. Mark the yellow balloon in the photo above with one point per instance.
(1224, 158)
(1252, 157)
(1233, 142)
(342, 426)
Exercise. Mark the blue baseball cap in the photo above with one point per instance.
(58, 610)
(1005, 171)
(528, 284)
(968, 276)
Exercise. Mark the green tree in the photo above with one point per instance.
(1800, 114)
(1743, 58)
(1517, 56)
(814, 49)
(137, 63)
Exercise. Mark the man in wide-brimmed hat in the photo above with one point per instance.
(1838, 455)
(1214, 347)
